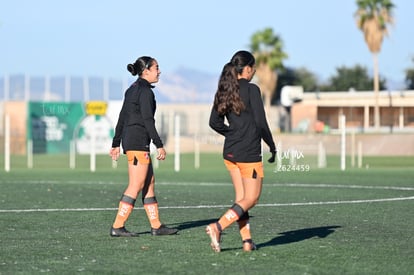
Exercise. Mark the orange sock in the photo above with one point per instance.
(230, 216)
(126, 205)
(151, 208)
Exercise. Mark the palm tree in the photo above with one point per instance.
(267, 49)
(372, 18)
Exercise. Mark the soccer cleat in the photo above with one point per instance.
(122, 232)
(249, 245)
(163, 230)
(215, 236)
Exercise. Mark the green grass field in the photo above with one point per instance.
(323, 221)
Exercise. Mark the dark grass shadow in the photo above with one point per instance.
(184, 225)
(300, 235)
(192, 224)
(294, 236)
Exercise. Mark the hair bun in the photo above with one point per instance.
(131, 69)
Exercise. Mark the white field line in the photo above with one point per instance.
(212, 206)
(302, 185)
(225, 206)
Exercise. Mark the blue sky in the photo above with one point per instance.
(99, 38)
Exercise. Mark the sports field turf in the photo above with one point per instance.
(324, 221)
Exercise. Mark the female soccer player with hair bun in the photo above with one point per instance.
(135, 129)
(239, 102)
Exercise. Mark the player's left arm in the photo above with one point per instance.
(216, 122)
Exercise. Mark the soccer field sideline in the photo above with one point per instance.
(225, 206)
(211, 206)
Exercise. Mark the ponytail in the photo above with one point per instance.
(227, 98)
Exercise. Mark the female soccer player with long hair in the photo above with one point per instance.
(239, 102)
(136, 129)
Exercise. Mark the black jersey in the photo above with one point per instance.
(136, 123)
(244, 132)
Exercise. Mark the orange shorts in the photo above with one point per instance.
(251, 170)
(135, 157)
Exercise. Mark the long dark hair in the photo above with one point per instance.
(142, 63)
(227, 98)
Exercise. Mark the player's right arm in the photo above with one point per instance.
(114, 153)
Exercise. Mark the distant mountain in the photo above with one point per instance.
(187, 86)
(181, 86)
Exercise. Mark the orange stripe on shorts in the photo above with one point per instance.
(135, 157)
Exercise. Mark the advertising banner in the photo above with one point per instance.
(95, 130)
(53, 126)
